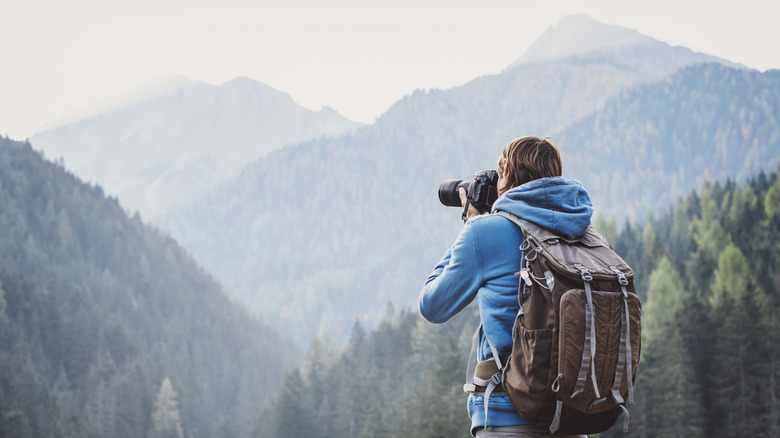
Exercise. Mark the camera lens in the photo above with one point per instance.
(448, 191)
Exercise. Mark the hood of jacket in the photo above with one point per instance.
(559, 204)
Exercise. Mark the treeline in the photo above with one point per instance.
(709, 275)
(405, 378)
(108, 328)
(711, 334)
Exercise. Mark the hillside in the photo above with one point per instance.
(652, 144)
(708, 275)
(322, 233)
(98, 310)
(170, 148)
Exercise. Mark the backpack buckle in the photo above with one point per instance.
(621, 276)
(584, 273)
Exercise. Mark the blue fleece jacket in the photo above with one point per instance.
(482, 262)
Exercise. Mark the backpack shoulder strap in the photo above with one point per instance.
(517, 221)
(494, 381)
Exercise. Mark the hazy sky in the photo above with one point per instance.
(356, 56)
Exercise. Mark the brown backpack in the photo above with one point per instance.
(574, 357)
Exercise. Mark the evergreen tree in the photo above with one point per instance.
(667, 387)
(664, 301)
(772, 199)
(740, 376)
(166, 418)
(711, 239)
(771, 390)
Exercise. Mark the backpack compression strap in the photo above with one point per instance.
(589, 349)
(625, 339)
(624, 360)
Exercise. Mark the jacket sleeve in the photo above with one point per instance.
(455, 281)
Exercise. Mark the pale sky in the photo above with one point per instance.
(356, 56)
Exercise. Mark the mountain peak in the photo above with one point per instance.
(245, 84)
(149, 88)
(576, 35)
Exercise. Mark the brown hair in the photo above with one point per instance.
(527, 159)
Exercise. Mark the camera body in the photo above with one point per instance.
(481, 192)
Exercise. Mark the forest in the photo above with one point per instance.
(108, 328)
(708, 273)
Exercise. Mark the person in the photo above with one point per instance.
(486, 255)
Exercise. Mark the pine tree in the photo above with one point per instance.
(772, 199)
(670, 396)
(710, 238)
(772, 388)
(680, 245)
(166, 418)
(732, 277)
(664, 300)
(741, 377)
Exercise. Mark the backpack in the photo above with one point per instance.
(577, 335)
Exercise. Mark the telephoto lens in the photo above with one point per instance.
(448, 191)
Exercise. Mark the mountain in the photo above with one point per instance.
(652, 144)
(319, 234)
(580, 35)
(108, 327)
(147, 89)
(169, 148)
(576, 35)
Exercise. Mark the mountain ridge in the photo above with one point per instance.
(149, 88)
(98, 308)
(365, 219)
(582, 36)
(578, 35)
(165, 150)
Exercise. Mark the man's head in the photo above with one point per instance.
(526, 159)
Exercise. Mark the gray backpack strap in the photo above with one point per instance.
(589, 349)
(494, 381)
(511, 217)
(625, 344)
(472, 366)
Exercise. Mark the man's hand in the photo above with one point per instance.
(463, 199)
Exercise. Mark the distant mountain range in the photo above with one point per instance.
(327, 220)
(171, 142)
(317, 235)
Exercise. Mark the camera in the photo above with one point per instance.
(481, 192)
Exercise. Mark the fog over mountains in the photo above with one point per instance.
(318, 234)
(174, 145)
